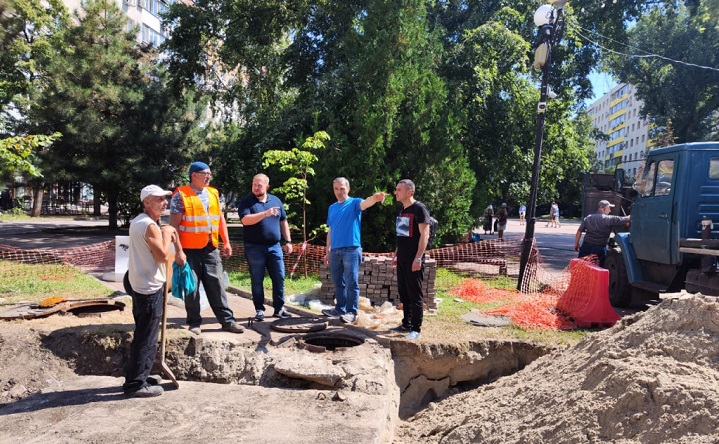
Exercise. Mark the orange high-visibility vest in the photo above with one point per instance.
(196, 226)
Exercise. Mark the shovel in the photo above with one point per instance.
(163, 337)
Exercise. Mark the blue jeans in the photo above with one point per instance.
(270, 257)
(344, 267)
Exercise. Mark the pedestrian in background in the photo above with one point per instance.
(264, 224)
(412, 229)
(501, 220)
(344, 248)
(522, 214)
(196, 214)
(598, 227)
(150, 249)
(488, 217)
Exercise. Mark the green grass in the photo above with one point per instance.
(29, 282)
(298, 285)
(13, 216)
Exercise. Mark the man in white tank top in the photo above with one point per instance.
(150, 248)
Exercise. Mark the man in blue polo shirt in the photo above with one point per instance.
(344, 248)
(264, 219)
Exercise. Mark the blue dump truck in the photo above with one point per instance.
(671, 242)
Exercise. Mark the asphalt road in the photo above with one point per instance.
(556, 245)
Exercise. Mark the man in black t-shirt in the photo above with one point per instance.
(264, 223)
(412, 238)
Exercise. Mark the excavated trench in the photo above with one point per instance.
(407, 375)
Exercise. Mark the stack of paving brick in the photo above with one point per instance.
(378, 282)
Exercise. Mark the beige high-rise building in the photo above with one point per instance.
(145, 14)
(616, 114)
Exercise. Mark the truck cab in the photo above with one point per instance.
(663, 249)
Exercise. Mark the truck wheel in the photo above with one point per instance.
(620, 293)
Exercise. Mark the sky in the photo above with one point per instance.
(601, 84)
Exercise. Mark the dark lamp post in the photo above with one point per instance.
(550, 21)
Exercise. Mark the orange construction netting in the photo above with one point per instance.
(462, 271)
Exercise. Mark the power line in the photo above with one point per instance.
(646, 55)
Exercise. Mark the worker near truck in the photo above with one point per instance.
(598, 227)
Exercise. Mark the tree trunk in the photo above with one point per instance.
(38, 192)
(112, 209)
(96, 201)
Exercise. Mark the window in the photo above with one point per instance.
(664, 178)
(646, 184)
(714, 168)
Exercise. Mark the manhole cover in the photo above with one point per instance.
(30, 311)
(332, 341)
(299, 325)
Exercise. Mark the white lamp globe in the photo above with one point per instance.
(543, 16)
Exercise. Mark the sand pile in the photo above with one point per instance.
(653, 378)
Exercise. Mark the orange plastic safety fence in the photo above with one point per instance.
(466, 266)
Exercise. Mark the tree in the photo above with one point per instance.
(18, 154)
(108, 97)
(298, 164)
(29, 29)
(686, 93)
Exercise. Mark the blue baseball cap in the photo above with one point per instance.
(198, 166)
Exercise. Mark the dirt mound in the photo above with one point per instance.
(25, 366)
(652, 378)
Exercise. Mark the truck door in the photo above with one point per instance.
(652, 218)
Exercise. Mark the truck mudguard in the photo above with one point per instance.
(634, 270)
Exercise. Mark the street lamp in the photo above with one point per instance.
(550, 21)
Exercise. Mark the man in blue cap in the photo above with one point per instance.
(196, 214)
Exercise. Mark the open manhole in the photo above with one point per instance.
(332, 341)
(299, 325)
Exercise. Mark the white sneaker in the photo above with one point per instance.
(259, 316)
(412, 335)
(348, 318)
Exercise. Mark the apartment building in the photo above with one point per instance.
(616, 114)
(145, 14)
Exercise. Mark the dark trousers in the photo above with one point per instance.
(588, 249)
(207, 265)
(147, 311)
(409, 285)
(270, 257)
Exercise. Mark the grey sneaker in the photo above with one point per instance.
(348, 318)
(259, 315)
(332, 313)
(196, 330)
(149, 391)
(234, 328)
(282, 313)
(412, 335)
(154, 380)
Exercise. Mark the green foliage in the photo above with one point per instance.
(438, 92)
(121, 127)
(29, 30)
(298, 164)
(685, 94)
(18, 155)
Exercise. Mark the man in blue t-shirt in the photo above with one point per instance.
(344, 249)
(264, 223)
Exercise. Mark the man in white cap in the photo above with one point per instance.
(598, 227)
(150, 248)
(196, 214)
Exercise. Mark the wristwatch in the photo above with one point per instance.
(418, 259)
